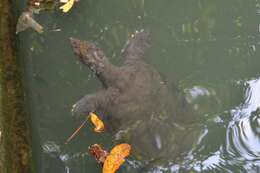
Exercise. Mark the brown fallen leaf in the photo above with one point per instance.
(99, 153)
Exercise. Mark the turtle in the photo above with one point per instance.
(137, 105)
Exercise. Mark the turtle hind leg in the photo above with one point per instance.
(136, 46)
(96, 60)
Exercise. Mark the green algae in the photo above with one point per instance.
(15, 150)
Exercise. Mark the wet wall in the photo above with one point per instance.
(15, 155)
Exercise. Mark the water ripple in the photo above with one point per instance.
(241, 151)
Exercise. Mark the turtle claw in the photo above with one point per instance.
(83, 107)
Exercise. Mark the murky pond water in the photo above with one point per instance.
(210, 48)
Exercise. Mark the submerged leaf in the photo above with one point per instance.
(99, 125)
(66, 7)
(116, 158)
(98, 152)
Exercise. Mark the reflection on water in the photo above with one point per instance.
(210, 49)
(243, 137)
(241, 150)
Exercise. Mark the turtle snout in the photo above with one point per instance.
(75, 43)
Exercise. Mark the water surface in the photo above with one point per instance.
(209, 48)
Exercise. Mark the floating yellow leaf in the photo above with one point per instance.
(66, 7)
(99, 125)
(116, 158)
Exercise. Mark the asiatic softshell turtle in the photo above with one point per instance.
(138, 106)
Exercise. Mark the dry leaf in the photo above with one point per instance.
(99, 125)
(66, 7)
(116, 158)
(98, 152)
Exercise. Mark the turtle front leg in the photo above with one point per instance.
(96, 60)
(94, 102)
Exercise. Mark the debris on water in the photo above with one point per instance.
(56, 30)
(51, 147)
(116, 158)
(26, 21)
(111, 161)
(76, 131)
(63, 1)
(158, 142)
(98, 152)
(253, 47)
(66, 7)
(32, 49)
(97, 122)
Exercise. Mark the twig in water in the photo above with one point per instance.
(76, 131)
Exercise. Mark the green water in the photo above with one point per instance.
(210, 48)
